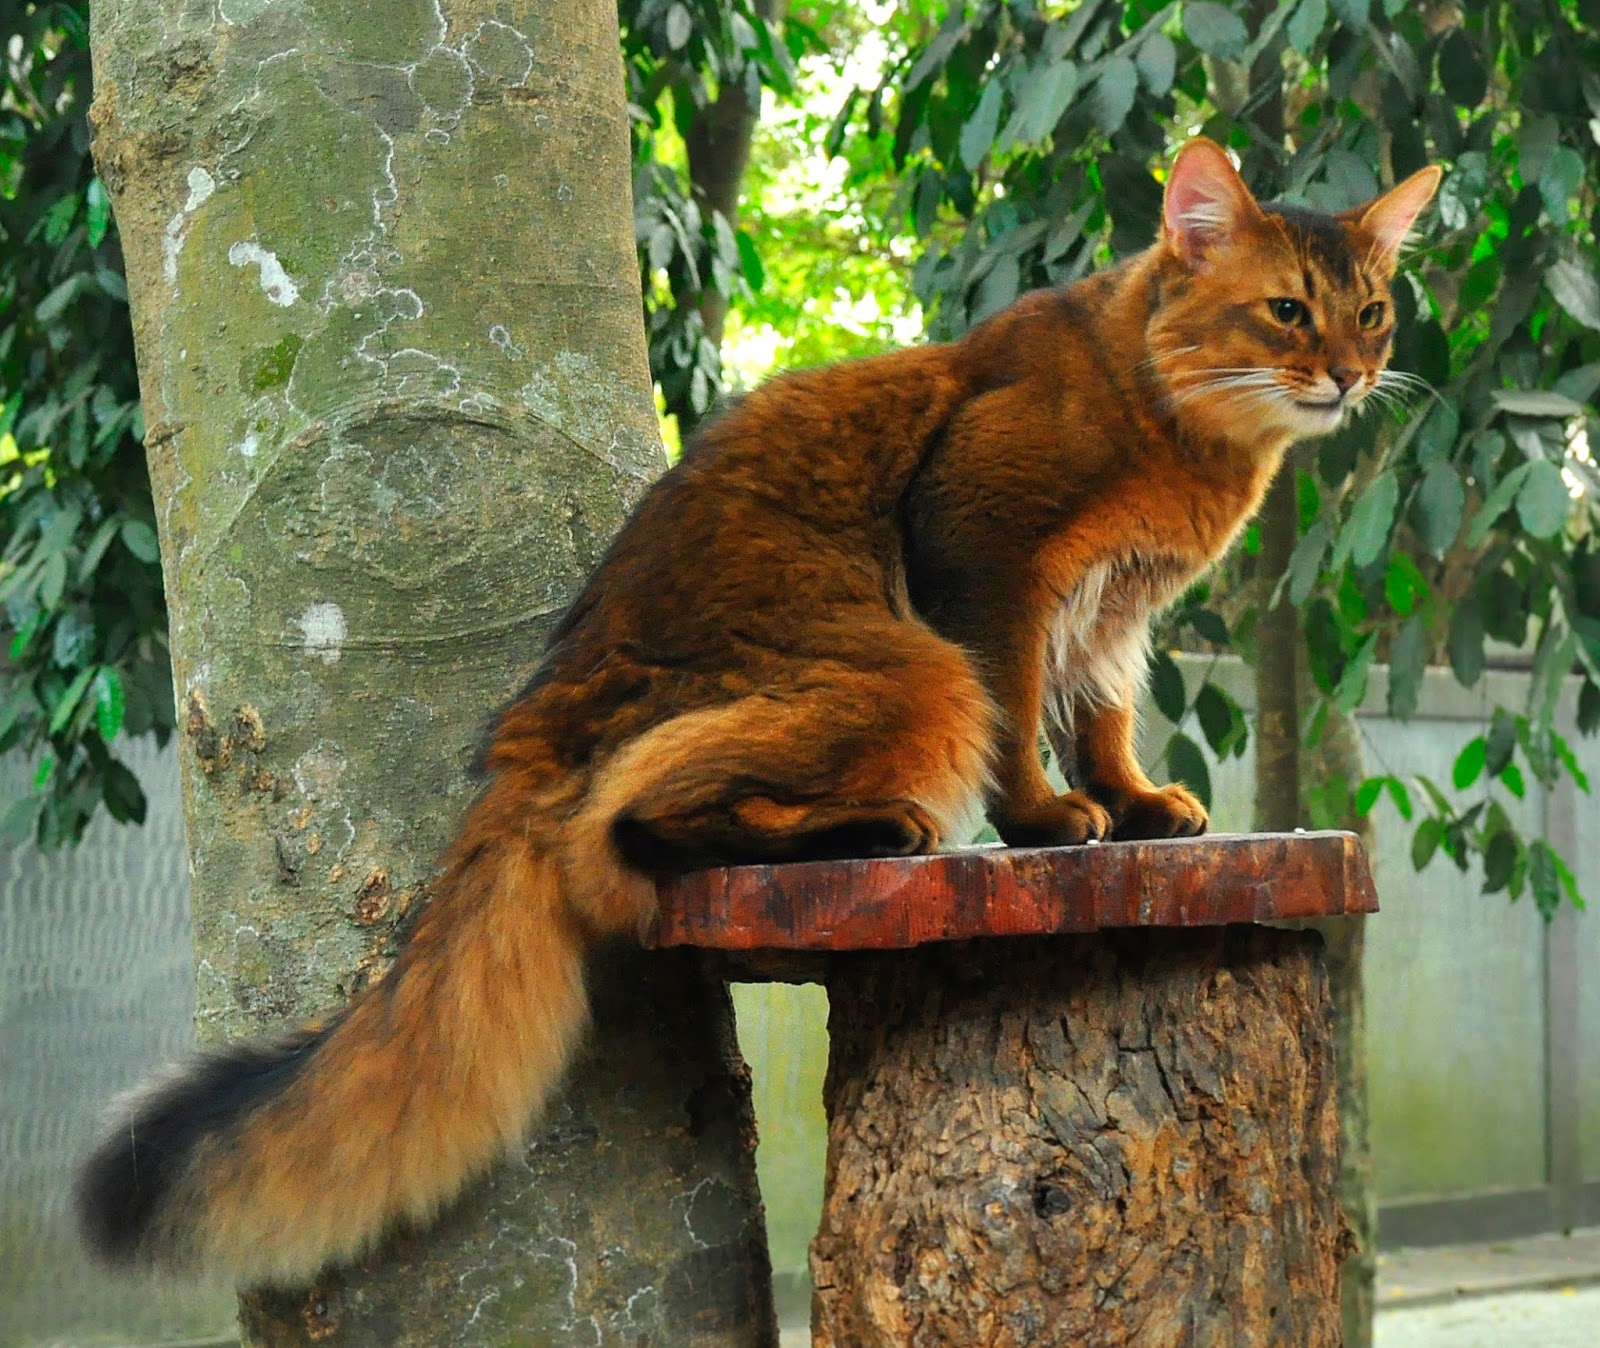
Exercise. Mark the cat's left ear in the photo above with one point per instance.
(1390, 217)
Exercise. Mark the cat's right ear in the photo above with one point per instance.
(1206, 200)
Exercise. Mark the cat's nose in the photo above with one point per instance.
(1343, 376)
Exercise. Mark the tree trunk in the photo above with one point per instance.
(1285, 773)
(1110, 1140)
(1338, 753)
(388, 326)
(718, 147)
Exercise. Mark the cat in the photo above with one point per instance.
(831, 630)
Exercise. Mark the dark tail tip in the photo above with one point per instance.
(124, 1189)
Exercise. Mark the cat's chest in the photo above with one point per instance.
(1099, 636)
(1118, 592)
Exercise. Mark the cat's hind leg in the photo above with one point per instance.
(835, 760)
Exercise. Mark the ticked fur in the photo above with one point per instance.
(827, 632)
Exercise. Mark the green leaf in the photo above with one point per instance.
(1535, 140)
(1352, 13)
(1407, 661)
(1187, 764)
(1045, 96)
(1560, 181)
(1367, 795)
(1399, 795)
(62, 712)
(1580, 384)
(1535, 402)
(1220, 719)
(1305, 563)
(1496, 504)
(1565, 754)
(1310, 17)
(1425, 841)
(1440, 503)
(1166, 687)
(1501, 743)
(54, 305)
(108, 702)
(1544, 504)
(1114, 92)
(1209, 626)
(1461, 70)
(140, 540)
(997, 289)
(1372, 519)
(1575, 288)
(99, 212)
(978, 134)
(1157, 62)
(1469, 763)
(1511, 778)
(1215, 30)
(53, 580)
(680, 27)
(122, 794)
(1403, 584)
(1500, 859)
(96, 549)
(1439, 432)
(42, 774)
(1544, 878)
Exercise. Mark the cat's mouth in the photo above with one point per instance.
(1324, 405)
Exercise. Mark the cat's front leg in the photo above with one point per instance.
(1109, 773)
(1008, 650)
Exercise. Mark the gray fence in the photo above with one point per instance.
(1484, 1035)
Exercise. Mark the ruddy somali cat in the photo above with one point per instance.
(829, 631)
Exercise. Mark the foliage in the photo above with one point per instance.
(678, 54)
(84, 622)
(1028, 141)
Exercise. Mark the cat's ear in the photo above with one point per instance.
(1206, 200)
(1390, 217)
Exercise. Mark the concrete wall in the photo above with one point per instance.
(96, 988)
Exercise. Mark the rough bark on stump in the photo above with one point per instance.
(1095, 1140)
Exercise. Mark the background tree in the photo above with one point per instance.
(388, 441)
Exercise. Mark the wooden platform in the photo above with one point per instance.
(996, 891)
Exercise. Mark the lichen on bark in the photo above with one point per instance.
(388, 325)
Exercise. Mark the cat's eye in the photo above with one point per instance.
(1372, 315)
(1290, 312)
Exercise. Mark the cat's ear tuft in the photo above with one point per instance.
(1206, 200)
(1390, 217)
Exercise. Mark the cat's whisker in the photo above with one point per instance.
(1156, 358)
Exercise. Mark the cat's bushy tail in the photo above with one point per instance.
(263, 1161)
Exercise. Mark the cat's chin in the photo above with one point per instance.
(1313, 418)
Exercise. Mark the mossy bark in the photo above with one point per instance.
(393, 370)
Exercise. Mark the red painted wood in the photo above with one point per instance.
(997, 891)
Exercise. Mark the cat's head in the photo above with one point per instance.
(1273, 321)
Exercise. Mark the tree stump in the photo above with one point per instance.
(1090, 1139)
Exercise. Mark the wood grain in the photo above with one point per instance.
(901, 902)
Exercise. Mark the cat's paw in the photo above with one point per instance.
(1170, 812)
(1065, 820)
